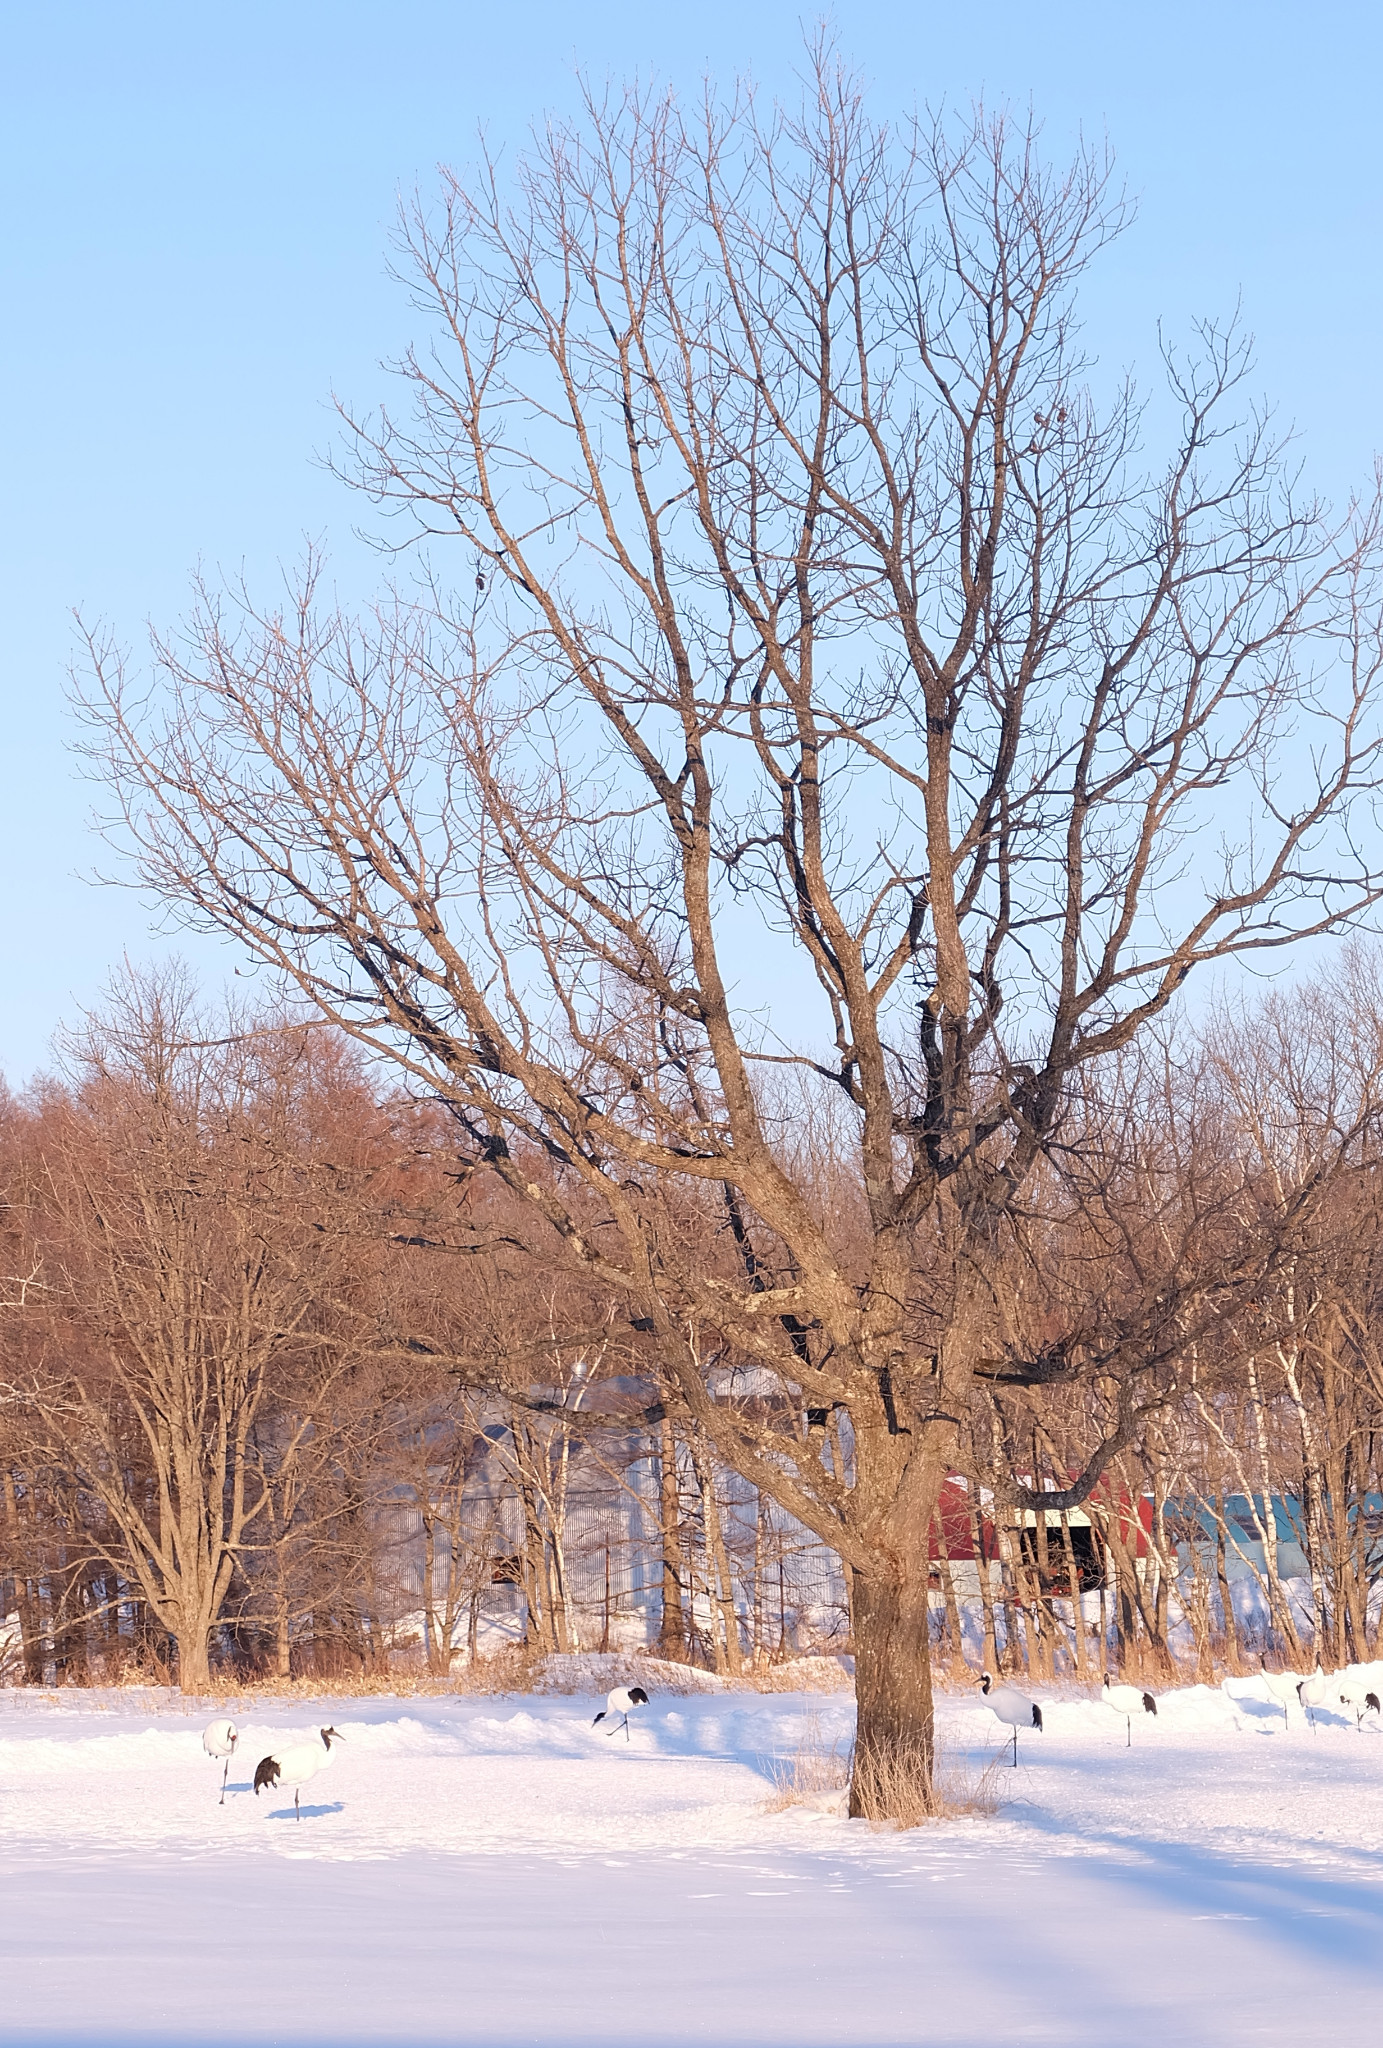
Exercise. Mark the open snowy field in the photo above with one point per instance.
(495, 1870)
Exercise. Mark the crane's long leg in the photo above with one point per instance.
(296, 1808)
(1128, 1731)
(1015, 1749)
(224, 1775)
(626, 1727)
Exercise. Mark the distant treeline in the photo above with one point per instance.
(290, 1386)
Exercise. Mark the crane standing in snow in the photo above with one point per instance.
(622, 1701)
(1284, 1687)
(1357, 1695)
(295, 1764)
(1012, 1706)
(219, 1739)
(1127, 1700)
(1314, 1692)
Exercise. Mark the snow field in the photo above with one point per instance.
(495, 1870)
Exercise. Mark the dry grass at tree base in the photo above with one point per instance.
(895, 1793)
(895, 1790)
(815, 1774)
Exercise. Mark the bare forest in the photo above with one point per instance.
(291, 1390)
(776, 581)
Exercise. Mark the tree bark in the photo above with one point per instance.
(893, 1688)
(194, 1664)
(720, 1585)
(672, 1630)
(990, 1651)
(1077, 1609)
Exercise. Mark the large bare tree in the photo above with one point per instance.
(797, 609)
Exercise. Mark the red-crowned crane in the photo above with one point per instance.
(219, 1739)
(1127, 1700)
(1314, 1692)
(622, 1701)
(1012, 1706)
(1284, 1687)
(1358, 1695)
(295, 1764)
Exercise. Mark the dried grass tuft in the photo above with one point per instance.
(967, 1787)
(893, 1788)
(816, 1771)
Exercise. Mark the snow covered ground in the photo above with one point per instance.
(496, 1871)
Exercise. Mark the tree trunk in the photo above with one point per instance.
(893, 1757)
(283, 1645)
(672, 1633)
(989, 1654)
(436, 1663)
(720, 1586)
(1074, 1587)
(1279, 1605)
(1015, 1640)
(1350, 1588)
(1044, 1608)
(1313, 1511)
(194, 1665)
(1227, 1621)
(954, 1634)
(759, 1653)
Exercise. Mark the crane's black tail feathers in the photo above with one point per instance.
(1149, 1703)
(1036, 1715)
(266, 1776)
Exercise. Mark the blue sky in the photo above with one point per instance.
(194, 241)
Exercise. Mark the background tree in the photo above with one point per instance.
(188, 1255)
(792, 586)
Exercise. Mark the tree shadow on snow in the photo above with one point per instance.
(1333, 1919)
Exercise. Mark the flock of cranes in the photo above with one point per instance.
(288, 1767)
(294, 1764)
(1341, 1689)
(1358, 1696)
(1017, 1711)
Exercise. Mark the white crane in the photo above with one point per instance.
(1127, 1700)
(1356, 1694)
(622, 1701)
(219, 1739)
(295, 1764)
(1283, 1687)
(1012, 1706)
(1314, 1692)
